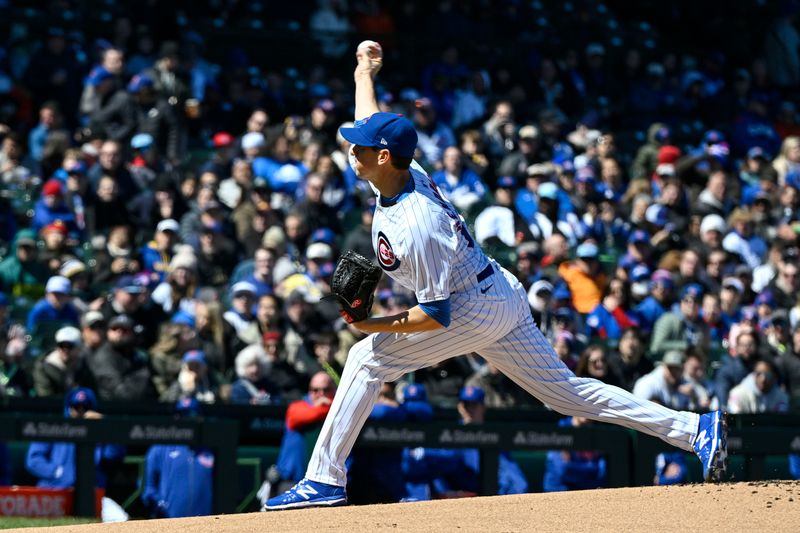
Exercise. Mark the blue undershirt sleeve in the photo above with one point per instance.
(438, 310)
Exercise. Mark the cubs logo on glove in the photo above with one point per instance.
(353, 285)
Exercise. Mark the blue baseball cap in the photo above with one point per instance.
(638, 236)
(142, 141)
(194, 356)
(548, 190)
(472, 394)
(384, 130)
(415, 393)
(4, 301)
(325, 235)
(139, 82)
(587, 250)
(183, 317)
(755, 152)
(506, 182)
(97, 76)
(663, 134)
(693, 289)
(713, 137)
(640, 273)
(81, 397)
(130, 284)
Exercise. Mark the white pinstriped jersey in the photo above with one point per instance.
(422, 242)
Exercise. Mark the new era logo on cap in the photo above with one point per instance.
(383, 141)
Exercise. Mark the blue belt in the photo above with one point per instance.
(485, 273)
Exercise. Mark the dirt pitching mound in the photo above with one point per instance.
(753, 506)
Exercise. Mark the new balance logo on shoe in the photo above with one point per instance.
(306, 491)
(702, 440)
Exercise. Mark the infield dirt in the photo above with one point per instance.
(749, 506)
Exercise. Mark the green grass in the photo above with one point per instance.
(8, 522)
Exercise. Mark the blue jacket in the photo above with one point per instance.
(583, 470)
(44, 312)
(44, 215)
(178, 481)
(155, 261)
(468, 182)
(648, 312)
(54, 462)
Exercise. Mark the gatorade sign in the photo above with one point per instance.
(39, 502)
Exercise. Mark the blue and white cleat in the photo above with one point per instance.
(711, 445)
(308, 493)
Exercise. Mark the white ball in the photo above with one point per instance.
(364, 46)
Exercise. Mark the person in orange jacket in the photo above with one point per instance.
(584, 278)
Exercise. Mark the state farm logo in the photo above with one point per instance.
(401, 435)
(463, 436)
(63, 430)
(167, 433)
(535, 438)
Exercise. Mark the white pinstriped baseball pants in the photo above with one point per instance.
(497, 325)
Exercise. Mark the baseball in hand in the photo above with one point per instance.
(370, 47)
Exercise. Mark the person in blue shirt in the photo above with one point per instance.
(657, 303)
(53, 463)
(435, 472)
(157, 254)
(179, 479)
(56, 305)
(51, 207)
(459, 184)
(566, 470)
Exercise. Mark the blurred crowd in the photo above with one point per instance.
(172, 208)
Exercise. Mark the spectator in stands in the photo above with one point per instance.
(55, 307)
(63, 369)
(175, 338)
(737, 367)
(593, 363)
(584, 278)
(679, 330)
(254, 386)
(93, 333)
(122, 371)
(459, 184)
(628, 360)
(565, 470)
(21, 273)
(179, 479)
(759, 392)
(193, 381)
(53, 463)
(157, 254)
(664, 384)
